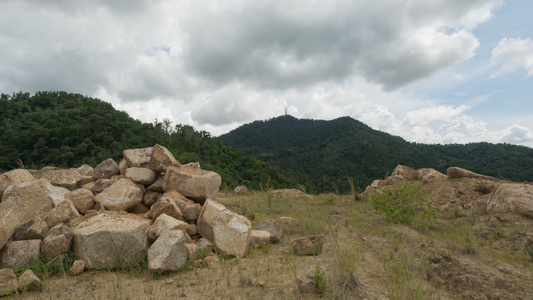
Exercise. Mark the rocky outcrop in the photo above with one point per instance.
(512, 197)
(456, 173)
(228, 231)
(288, 193)
(110, 239)
(121, 195)
(430, 175)
(404, 171)
(196, 184)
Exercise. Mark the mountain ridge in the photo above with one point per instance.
(325, 155)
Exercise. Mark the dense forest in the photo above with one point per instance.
(326, 155)
(68, 130)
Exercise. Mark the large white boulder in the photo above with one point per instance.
(196, 184)
(25, 201)
(69, 178)
(512, 197)
(111, 240)
(228, 231)
(14, 177)
(138, 157)
(161, 159)
(121, 195)
(168, 252)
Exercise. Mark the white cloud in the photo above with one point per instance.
(512, 54)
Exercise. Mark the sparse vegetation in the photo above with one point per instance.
(405, 203)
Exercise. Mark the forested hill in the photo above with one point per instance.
(67, 130)
(324, 155)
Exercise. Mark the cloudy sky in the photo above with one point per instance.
(440, 71)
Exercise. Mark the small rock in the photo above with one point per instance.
(8, 282)
(57, 241)
(259, 238)
(28, 281)
(308, 245)
(77, 267)
(274, 229)
(106, 169)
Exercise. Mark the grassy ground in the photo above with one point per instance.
(480, 256)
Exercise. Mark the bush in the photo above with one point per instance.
(404, 203)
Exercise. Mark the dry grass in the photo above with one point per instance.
(364, 257)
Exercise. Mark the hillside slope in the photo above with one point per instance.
(323, 155)
(67, 130)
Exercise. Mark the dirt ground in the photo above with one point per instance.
(468, 253)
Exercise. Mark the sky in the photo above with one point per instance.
(440, 71)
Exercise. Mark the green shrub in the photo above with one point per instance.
(404, 203)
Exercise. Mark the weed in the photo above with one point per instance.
(482, 188)
(319, 279)
(405, 203)
(45, 267)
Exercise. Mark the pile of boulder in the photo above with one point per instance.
(148, 207)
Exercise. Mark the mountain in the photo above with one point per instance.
(325, 155)
(67, 130)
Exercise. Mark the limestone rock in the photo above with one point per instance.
(83, 199)
(123, 166)
(430, 175)
(100, 185)
(17, 254)
(196, 184)
(151, 197)
(62, 213)
(165, 205)
(456, 173)
(69, 179)
(8, 282)
(211, 261)
(228, 231)
(287, 193)
(141, 175)
(106, 169)
(259, 238)
(308, 245)
(191, 250)
(85, 170)
(34, 229)
(121, 195)
(191, 229)
(140, 209)
(28, 281)
(163, 223)
(404, 171)
(274, 229)
(14, 177)
(161, 159)
(392, 180)
(512, 197)
(57, 241)
(110, 239)
(24, 202)
(241, 189)
(189, 208)
(77, 267)
(138, 157)
(157, 186)
(168, 252)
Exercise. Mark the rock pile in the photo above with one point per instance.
(148, 207)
